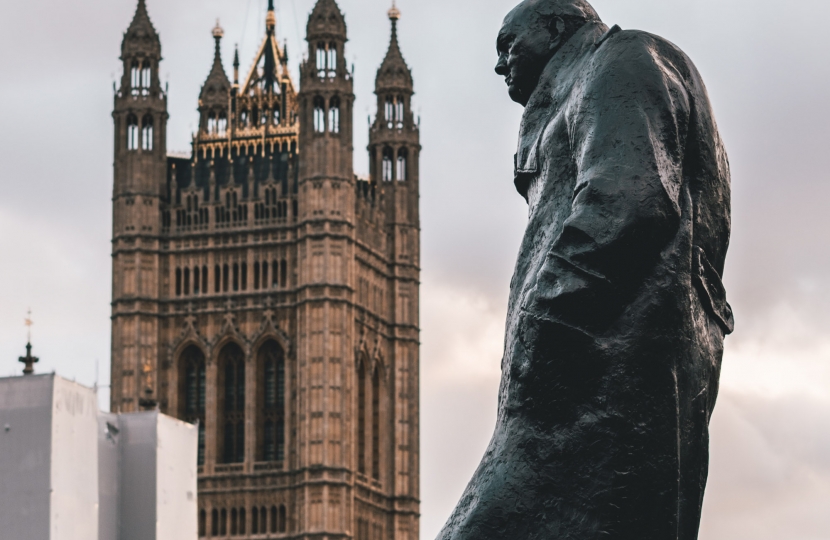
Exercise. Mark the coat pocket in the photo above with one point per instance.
(712, 292)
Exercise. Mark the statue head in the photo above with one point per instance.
(529, 37)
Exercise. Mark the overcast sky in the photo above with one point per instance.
(766, 67)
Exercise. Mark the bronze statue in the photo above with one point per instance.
(617, 311)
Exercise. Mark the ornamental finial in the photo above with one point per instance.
(394, 13)
(218, 32)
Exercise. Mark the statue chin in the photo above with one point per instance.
(516, 94)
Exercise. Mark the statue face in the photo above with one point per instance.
(525, 44)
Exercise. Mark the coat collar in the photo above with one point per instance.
(554, 86)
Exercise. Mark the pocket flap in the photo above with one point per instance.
(712, 292)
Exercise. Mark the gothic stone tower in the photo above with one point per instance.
(264, 291)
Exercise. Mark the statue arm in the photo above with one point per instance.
(628, 140)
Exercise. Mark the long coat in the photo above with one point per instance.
(617, 311)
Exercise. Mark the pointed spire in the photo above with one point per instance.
(325, 19)
(218, 33)
(217, 80)
(236, 65)
(393, 72)
(141, 37)
(271, 18)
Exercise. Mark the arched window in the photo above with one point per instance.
(192, 392)
(135, 78)
(263, 520)
(223, 522)
(234, 522)
(217, 277)
(211, 123)
(376, 424)
(283, 273)
(271, 400)
(388, 157)
(243, 118)
(275, 115)
(256, 276)
(202, 523)
(236, 277)
(222, 123)
(321, 60)
(319, 115)
(283, 519)
(273, 519)
(146, 79)
(332, 59)
(399, 107)
(186, 281)
(225, 277)
(264, 117)
(214, 523)
(401, 171)
(197, 280)
(244, 277)
(389, 112)
(147, 133)
(242, 521)
(204, 280)
(255, 520)
(232, 403)
(361, 417)
(178, 281)
(264, 275)
(132, 132)
(334, 115)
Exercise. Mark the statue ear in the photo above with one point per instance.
(557, 32)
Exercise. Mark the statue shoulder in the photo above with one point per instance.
(635, 57)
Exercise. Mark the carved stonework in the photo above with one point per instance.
(247, 274)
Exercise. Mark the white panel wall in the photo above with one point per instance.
(25, 441)
(70, 472)
(74, 485)
(139, 436)
(176, 480)
(109, 471)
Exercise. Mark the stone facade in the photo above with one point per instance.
(264, 290)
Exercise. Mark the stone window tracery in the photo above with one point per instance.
(147, 133)
(271, 400)
(331, 60)
(135, 78)
(321, 60)
(334, 115)
(361, 417)
(132, 132)
(319, 115)
(376, 424)
(387, 165)
(146, 79)
(192, 392)
(232, 403)
(401, 169)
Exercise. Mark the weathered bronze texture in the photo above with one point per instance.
(617, 311)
